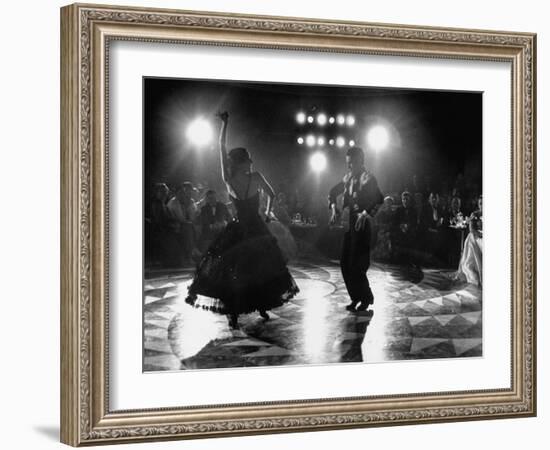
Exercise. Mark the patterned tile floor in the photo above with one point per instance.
(416, 315)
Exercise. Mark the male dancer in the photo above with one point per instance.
(363, 197)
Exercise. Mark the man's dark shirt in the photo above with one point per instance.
(361, 193)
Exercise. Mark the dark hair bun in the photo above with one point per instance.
(239, 155)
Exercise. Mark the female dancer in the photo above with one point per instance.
(243, 270)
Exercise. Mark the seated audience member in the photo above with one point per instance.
(159, 219)
(183, 213)
(443, 203)
(470, 266)
(471, 205)
(455, 192)
(405, 230)
(419, 206)
(435, 225)
(213, 218)
(158, 211)
(456, 208)
(455, 219)
(383, 221)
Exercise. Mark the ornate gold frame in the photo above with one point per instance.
(86, 31)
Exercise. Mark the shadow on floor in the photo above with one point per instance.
(411, 273)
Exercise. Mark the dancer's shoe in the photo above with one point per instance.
(363, 306)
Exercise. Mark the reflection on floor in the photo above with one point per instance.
(416, 315)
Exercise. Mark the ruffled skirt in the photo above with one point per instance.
(242, 271)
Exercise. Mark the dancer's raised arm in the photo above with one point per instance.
(224, 116)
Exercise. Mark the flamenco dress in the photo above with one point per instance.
(243, 270)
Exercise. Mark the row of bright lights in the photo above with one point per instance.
(311, 141)
(322, 119)
(200, 133)
(378, 138)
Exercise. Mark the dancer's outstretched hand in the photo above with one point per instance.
(224, 116)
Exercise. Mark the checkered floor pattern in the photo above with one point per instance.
(416, 315)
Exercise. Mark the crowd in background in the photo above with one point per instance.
(427, 222)
(420, 222)
(181, 222)
(425, 232)
(178, 227)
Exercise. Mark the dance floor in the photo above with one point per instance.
(417, 315)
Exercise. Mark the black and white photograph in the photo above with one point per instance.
(250, 225)
(296, 224)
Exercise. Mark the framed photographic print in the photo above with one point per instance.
(275, 224)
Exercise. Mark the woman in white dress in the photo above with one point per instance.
(470, 268)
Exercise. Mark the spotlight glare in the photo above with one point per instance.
(321, 141)
(340, 119)
(310, 140)
(300, 140)
(340, 141)
(318, 162)
(309, 119)
(331, 120)
(350, 121)
(352, 143)
(322, 119)
(199, 132)
(331, 142)
(378, 137)
(301, 117)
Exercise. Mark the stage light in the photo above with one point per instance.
(321, 141)
(352, 143)
(310, 140)
(322, 119)
(301, 117)
(300, 140)
(340, 119)
(331, 142)
(340, 141)
(318, 162)
(331, 120)
(309, 119)
(199, 132)
(378, 137)
(350, 121)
